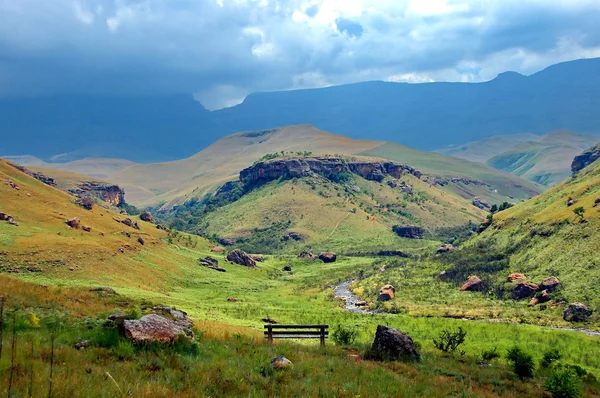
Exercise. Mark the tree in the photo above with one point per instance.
(579, 211)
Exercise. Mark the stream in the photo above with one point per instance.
(343, 291)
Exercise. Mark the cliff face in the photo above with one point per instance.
(110, 194)
(584, 159)
(295, 168)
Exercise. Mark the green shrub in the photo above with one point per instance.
(550, 357)
(563, 383)
(449, 341)
(344, 336)
(124, 350)
(489, 355)
(522, 363)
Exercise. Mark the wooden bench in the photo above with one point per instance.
(296, 332)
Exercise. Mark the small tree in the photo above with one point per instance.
(522, 363)
(449, 341)
(579, 211)
(563, 383)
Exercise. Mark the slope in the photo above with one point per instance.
(482, 150)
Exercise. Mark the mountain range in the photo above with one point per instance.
(424, 116)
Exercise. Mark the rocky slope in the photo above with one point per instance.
(586, 158)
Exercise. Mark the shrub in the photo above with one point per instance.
(449, 341)
(124, 350)
(550, 357)
(563, 383)
(522, 363)
(489, 355)
(344, 336)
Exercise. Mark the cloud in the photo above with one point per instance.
(221, 50)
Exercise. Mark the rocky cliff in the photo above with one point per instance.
(587, 157)
(107, 193)
(324, 166)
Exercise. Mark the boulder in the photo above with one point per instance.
(232, 299)
(524, 290)
(291, 235)
(217, 268)
(208, 261)
(3, 216)
(386, 293)
(328, 257)
(541, 297)
(409, 231)
(257, 257)
(473, 284)
(174, 314)
(86, 228)
(147, 216)
(577, 312)
(596, 202)
(154, 328)
(130, 223)
(287, 268)
(141, 240)
(306, 254)
(478, 202)
(516, 276)
(238, 256)
(104, 289)
(445, 248)
(393, 344)
(392, 183)
(218, 249)
(571, 202)
(281, 363)
(550, 284)
(73, 222)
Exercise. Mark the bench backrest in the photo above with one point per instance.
(296, 332)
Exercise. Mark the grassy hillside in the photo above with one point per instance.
(482, 150)
(94, 167)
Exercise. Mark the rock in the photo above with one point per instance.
(117, 319)
(238, 256)
(130, 223)
(174, 314)
(208, 261)
(577, 312)
(86, 228)
(571, 202)
(361, 303)
(586, 158)
(409, 231)
(473, 284)
(541, 297)
(11, 221)
(393, 344)
(34, 268)
(12, 184)
(386, 293)
(445, 248)
(161, 227)
(81, 344)
(107, 193)
(147, 216)
(217, 268)
(328, 257)
(104, 289)
(307, 255)
(281, 363)
(4, 216)
(141, 240)
(86, 202)
(291, 235)
(257, 257)
(515, 276)
(232, 299)
(269, 320)
(154, 328)
(524, 290)
(73, 222)
(226, 241)
(393, 183)
(550, 284)
(287, 268)
(218, 249)
(478, 202)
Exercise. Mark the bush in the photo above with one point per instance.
(449, 341)
(489, 355)
(124, 350)
(563, 383)
(344, 336)
(550, 357)
(522, 363)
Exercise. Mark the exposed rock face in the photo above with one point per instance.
(328, 257)
(550, 284)
(409, 231)
(280, 363)
(524, 290)
(393, 344)
(73, 222)
(577, 312)
(147, 216)
(445, 248)
(585, 158)
(478, 202)
(473, 284)
(38, 176)
(515, 276)
(154, 328)
(386, 293)
(304, 167)
(239, 257)
(107, 193)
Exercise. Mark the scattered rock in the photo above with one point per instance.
(147, 216)
(174, 314)
(269, 320)
(257, 257)
(541, 297)
(218, 249)
(577, 312)
(473, 284)
(307, 255)
(4, 216)
(287, 268)
(328, 257)
(127, 234)
(393, 344)
(386, 293)
(208, 261)
(73, 222)
(81, 344)
(596, 202)
(117, 319)
(291, 235)
(238, 256)
(217, 268)
(86, 228)
(12, 184)
(34, 268)
(154, 328)
(478, 202)
(393, 183)
(161, 227)
(524, 290)
(141, 240)
(445, 248)
(571, 202)
(409, 231)
(550, 284)
(232, 299)
(87, 202)
(104, 289)
(360, 303)
(281, 363)
(516, 276)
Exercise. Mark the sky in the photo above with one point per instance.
(219, 51)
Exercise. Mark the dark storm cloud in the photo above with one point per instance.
(223, 49)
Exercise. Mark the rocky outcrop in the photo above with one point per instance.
(105, 192)
(240, 257)
(550, 284)
(478, 202)
(393, 344)
(386, 293)
(147, 216)
(409, 231)
(524, 290)
(585, 158)
(577, 312)
(328, 257)
(473, 284)
(541, 297)
(325, 166)
(154, 328)
(38, 176)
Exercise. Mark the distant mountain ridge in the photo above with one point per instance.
(424, 116)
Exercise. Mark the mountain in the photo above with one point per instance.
(172, 183)
(547, 160)
(486, 148)
(94, 167)
(425, 116)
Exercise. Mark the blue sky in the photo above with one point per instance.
(221, 50)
